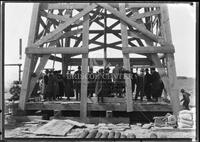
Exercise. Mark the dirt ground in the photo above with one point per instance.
(26, 129)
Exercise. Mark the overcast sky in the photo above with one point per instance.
(182, 20)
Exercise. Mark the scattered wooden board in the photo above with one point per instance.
(55, 128)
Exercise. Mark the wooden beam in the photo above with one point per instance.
(138, 35)
(136, 5)
(54, 16)
(43, 61)
(55, 58)
(65, 58)
(46, 27)
(126, 61)
(65, 35)
(144, 15)
(114, 24)
(132, 23)
(84, 80)
(119, 36)
(56, 50)
(171, 69)
(29, 60)
(112, 61)
(105, 38)
(141, 5)
(62, 18)
(64, 25)
(106, 120)
(149, 49)
(144, 107)
(63, 5)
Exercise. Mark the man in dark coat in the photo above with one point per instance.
(133, 79)
(91, 82)
(147, 85)
(107, 82)
(68, 85)
(45, 83)
(186, 99)
(120, 83)
(99, 89)
(56, 90)
(140, 85)
(115, 74)
(50, 87)
(157, 85)
(61, 86)
(77, 83)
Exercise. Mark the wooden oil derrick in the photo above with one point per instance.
(144, 30)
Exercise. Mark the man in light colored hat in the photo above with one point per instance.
(140, 85)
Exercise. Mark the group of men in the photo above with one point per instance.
(103, 84)
(148, 84)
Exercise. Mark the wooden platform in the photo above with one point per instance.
(75, 106)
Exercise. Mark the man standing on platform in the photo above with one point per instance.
(77, 83)
(45, 83)
(157, 85)
(140, 85)
(147, 84)
(133, 79)
(91, 82)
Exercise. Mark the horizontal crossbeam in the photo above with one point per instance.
(57, 50)
(150, 49)
(64, 5)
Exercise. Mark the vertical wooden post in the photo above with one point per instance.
(1, 79)
(166, 33)
(29, 60)
(84, 81)
(65, 58)
(129, 95)
(105, 38)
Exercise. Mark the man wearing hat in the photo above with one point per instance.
(185, 99)
(91, 82)
(107, 82)
(140, 85)
(77, 82)
(157, 85)
(147, 84)
(99, 88)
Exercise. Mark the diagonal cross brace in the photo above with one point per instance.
(63, 26)
(132, 23)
